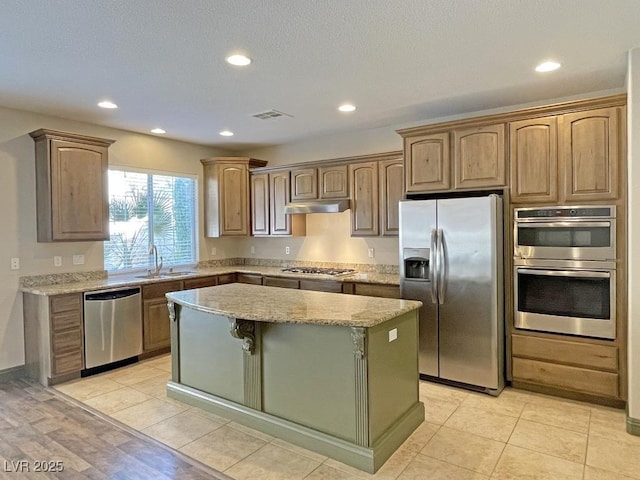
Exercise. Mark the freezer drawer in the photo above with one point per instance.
(112, 326)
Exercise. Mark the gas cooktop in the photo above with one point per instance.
(320, 271)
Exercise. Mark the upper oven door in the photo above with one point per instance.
(566, 240)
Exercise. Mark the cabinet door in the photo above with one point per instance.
(304, 184)
(479, 157)
(157, 325)
(79, 198)
(364, 203)
(234, 181)
(334, 182)
(391, 192)
(533, 157)
(427, 163)
(589, 154)
(279, 196)
(260, 204)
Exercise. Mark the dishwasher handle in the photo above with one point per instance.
(111, 294)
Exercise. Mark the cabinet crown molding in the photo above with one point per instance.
(66, 136)
(333, 161)
(250, 162)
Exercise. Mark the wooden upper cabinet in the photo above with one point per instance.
(479, 157)
(260, 204)
(589, 151)
(427, 162)
(71, 186)
(226, 195)
(304, 184)
(533, 157)
(279, 196)
(364, 202)
(391, 178)
(334, 182)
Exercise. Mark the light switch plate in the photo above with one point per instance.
(15, 263)
(78, 259)
(253, 249)
(372, 253)
(214, 250)
(287, 250)
(57, 261)
(393, 334)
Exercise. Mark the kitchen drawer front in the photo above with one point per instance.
(65, 303)
(70, 362)
(65, 321)
(559, 351)
(281, 282)
(66, 342)
(160, 289)
(249, 278)
(566, 377)
(321, 286)
(200, 282)
(371, 290)
(226, 278)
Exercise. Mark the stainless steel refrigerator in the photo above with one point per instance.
(451, 254)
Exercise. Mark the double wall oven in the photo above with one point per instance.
(565, 270)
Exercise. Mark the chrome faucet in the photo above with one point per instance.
(158, 266)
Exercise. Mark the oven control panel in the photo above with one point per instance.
(566, 212)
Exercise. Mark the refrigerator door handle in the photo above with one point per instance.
(441, 265)
(433, 268)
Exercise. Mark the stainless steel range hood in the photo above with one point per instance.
(317, 206)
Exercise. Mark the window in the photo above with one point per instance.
(148, 209)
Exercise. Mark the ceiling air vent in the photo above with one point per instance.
(269, 114)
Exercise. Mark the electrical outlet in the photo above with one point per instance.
(15, 263)
(78, 259)
(393, 334)
(372, 253)
(57, 261)
(253, 249)
(214, 250)
(287, 250)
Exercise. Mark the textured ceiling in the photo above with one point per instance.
(162, 61)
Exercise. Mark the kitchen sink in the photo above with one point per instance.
(166, 274)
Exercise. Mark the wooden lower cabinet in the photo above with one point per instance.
(200, 282)
(373, 290)
(156, 325)
(566, 366)
(321, 286)
(281, 282)
(250, 278)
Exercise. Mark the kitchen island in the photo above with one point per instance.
(334, 373)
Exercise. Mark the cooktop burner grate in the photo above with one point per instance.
(320, 271)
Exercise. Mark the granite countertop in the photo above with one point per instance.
(284, 305)
(126, 280)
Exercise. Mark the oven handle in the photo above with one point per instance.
(563, 224)
(565, 273)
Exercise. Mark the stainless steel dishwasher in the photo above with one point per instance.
(112, 326)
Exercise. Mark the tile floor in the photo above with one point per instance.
(466, 435)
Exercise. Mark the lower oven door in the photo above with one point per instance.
(566, 300)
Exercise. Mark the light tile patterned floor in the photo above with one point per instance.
(465, 435)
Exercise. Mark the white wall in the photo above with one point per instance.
(18, 208)
(633, 119)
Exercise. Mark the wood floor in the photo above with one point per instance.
(39, 430)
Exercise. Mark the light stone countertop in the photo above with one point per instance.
(129, 280)
(284, 305)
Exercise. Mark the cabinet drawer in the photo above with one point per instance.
(387, 291)
(560, 351)
(226, 278)
(65, 303)
(281, 282)
(249, 278)
(70, 362)
(65, 321)
(201, 282)
(66, 342)
(321, 286)
(160, 289)
(566, 377)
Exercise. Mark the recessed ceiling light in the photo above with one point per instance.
(238, 60)
(226, 133)
(107, 104)
(159, 131)
(547, 67)
(346, 107)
